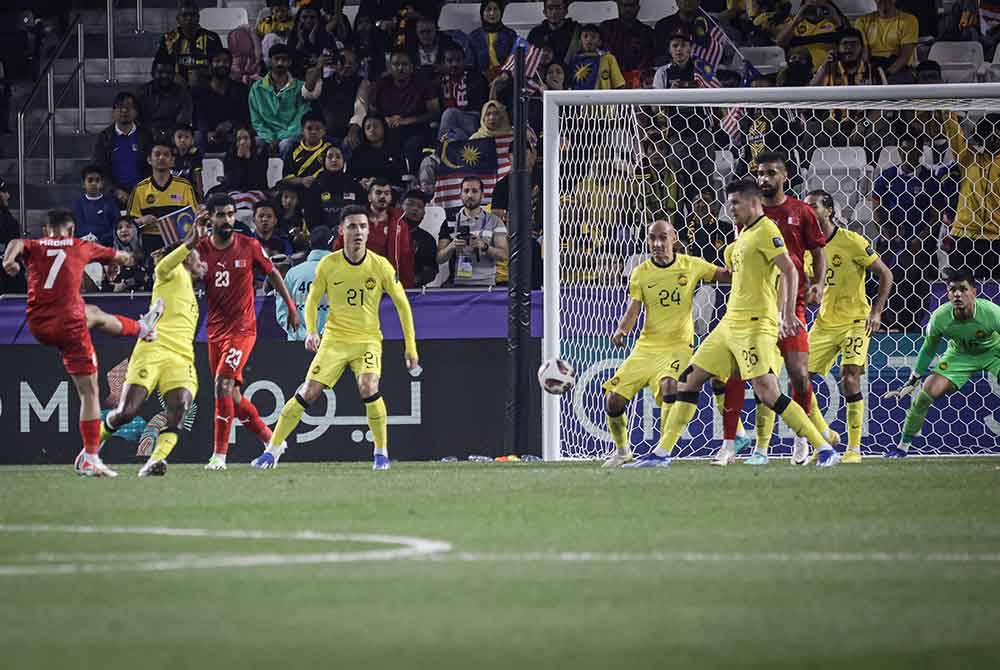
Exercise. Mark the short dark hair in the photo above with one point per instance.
(379, 181)
(319, 238)
(163, 59)
(352, 210)
(122, 97)
(771, 157)
(93, 168)
(744, 187)
(60, 217)
(472, 177)
(316, 117)
(266, 204)
(590, 28)
(279, 50)
(186, 127)
(825, 198)
(416, 194)
(956, 275)
(217, 200)
(161, 140)
(399, 51)
(849, 33)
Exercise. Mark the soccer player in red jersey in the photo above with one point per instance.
(802, 233)
(233, 260)
(58, 317)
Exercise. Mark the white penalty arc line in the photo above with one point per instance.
(710, 557)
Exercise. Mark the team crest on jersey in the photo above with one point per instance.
(370, 284)
(869, 251)
(837, 260)
(615, 381)
(980, 334)
(682, 280)
(325, 197)
(150, 199)
(778, 242)
(143, 373)
(315, 370)
(943, 365)
(240, 263)
(793, 221)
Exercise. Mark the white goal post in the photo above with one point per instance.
(897, 160)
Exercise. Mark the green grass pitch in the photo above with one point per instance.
(882, 565)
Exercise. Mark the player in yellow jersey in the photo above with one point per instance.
(166, 364)
(353, 281)
(663, 287)
(846, 320)
(746, 340)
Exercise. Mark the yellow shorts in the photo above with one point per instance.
(647, 367)
(159, 369)
(850, 341)
(329, 362)
(749, 349)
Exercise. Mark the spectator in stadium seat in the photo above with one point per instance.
(976, 228)
(265, 220)
(95, 212)
(817, 26)
(158, 195)
(303, 164)
(163, 103)
(593, 68)
(376, 157)
(190, 45)
(659, 179)
(912, 195)
(245, 163)
(798, 70)
(500, 205)
(332, 191)
(388, 234)
(338, 27)
(300, 278)
(245, 53)
(121, 148)
(632, 42)
(135, 277)
(408, 104)
(428, 47)
(474, 241)
(691, 19)
(847, 66)
(492, 43)
(219, 105)
(425, 265)
(343, 100)
(291, 215)
(308, 41)
(766, 20)
(275, 26)
(679, 69)
(278, 101)
(557, 31)
(890, 36)
(463, 92)
(370, 46)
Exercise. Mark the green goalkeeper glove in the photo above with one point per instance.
(906, 389)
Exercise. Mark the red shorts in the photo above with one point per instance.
(227, 357)
(800, 340)
(73, 342)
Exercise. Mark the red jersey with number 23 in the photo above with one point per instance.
(55, 268)
(802, 233)
(229, 285)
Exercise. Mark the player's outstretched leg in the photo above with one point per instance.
(614, 407)
(132, 398)
(680, 416)
(766, 388)
(177, 402)
(116, 325)
(88, 463)
(935, 387)
(290, 416)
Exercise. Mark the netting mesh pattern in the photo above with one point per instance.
(919, 179)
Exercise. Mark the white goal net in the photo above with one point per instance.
(916, 170)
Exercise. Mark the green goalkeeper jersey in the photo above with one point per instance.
(970, 337)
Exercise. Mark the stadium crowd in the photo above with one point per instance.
(395, 114)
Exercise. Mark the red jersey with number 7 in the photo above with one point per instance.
(229, 285)
(55, 269)
(798, 225)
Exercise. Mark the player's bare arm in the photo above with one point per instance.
(873, 323)
(788, 285)
(814, 295)
(10, 255)
(627, 322)
(723, 276)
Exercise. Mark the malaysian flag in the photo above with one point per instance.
(175, 225)
(532, 58)
(489, 159)
(709, 42)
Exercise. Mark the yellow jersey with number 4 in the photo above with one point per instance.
(666, 293)
(354, 292)
(848, 257)
(754, 295)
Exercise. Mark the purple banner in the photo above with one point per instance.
(437, 315)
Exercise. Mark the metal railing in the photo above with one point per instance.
(24, 146)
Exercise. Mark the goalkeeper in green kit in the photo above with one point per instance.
(972, 327)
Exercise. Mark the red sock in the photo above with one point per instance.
(130, 327)
(223, 422)
(736, 392)
(90, 430)
(247, 413)
(805, 400)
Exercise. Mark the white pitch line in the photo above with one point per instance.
(710, 557)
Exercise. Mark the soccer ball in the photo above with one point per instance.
(556, 376)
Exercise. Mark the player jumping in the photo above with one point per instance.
(232, 262)
(166, 365)
(746, 339)
(353, 281)
(801, 233)
(846, 320)
(972, 327)
(664, 285)
(58, 317)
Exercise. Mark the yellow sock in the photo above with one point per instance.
(855, 421)
(817, 418)
(165, 443)
(105, 433)
(377, 420)
(664, 415)
(678, 419)
(720, 404)
(796, 419)
(618, 426)
(764, 425)
(290, 416)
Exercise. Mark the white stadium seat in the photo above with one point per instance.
(212, 172)
(274, 168)
(593, 12)
(460, 16)
(433, 220)
(222, 20)
(651, 11)
(767, 60)
(959, 61)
